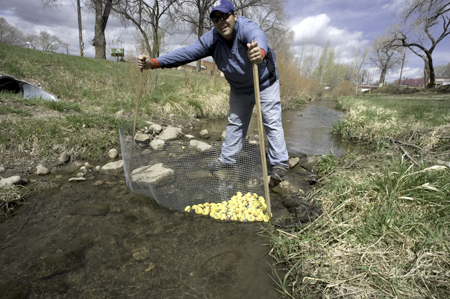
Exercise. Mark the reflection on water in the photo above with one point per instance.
(306, 131)
(309, 131)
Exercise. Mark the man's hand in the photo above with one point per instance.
(144, 62)
(254, 52)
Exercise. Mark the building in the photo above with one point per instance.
(439, 80)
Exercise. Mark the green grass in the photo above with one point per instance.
(385, 228)
(373, 118)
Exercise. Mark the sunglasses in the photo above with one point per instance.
(222, 17)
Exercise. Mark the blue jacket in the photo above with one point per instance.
(233, 62)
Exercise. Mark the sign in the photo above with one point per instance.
(117, 52)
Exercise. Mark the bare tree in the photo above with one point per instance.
(268, 14)
(419, 31)
(359, 58)
(144, 14)
(385, 56)
(102, 11)
(443, 70)
(9, 34)
(45, 41)
(54, 3)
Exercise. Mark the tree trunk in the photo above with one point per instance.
(382, 77)
(430, 69)
(101, 19)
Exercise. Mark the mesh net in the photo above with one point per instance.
(178, 176)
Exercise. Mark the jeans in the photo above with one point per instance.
(241, 107)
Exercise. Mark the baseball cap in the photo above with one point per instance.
(222, 6)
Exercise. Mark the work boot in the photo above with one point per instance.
(278, 173)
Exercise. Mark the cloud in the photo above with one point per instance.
(315, 32)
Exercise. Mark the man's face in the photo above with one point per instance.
(225, 27)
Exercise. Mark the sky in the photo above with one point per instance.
(345, 24)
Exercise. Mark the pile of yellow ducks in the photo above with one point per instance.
(244, 208)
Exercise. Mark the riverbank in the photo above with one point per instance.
(384, 231)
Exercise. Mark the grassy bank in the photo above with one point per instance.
(385, 228)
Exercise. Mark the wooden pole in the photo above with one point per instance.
(261, 137)
(138, 98)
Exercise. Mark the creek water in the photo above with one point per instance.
(96, 239)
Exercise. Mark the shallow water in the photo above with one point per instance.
(96, 239)
(87, 241)
(307, 131)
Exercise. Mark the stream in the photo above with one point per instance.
(96, 239)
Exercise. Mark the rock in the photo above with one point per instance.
(440, 162)
(98, 183)
(204, 134)
(156, 175)
(64, 158)
(146, 152)
(112, 154)
(287, 187)
(112, 166)
(77, 179)
(189, 136)
(2, 169)
(97, 168)
(310, 162)
(10, 181)
(199, 145)
(141, 254)
(142, 137)
(42, 170)
(155, 129)
(293, 161)
(157, 144)
(170, 133)
(120, 113)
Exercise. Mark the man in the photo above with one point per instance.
(235, 43)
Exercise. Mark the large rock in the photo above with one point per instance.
(293, 161)
(10, 181)
(112, 166)
(199, 145)
(64, 158)
(287, 187)
(310, 162)
(170, 133)
(113, 153)
(157, 144)
(155, 129)
(42, 170)
(204, 134)
(142, 137)
(156, 175)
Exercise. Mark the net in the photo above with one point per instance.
(178, 176)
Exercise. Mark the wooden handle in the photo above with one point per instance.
(261, 137)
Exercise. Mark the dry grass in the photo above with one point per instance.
(385, 227)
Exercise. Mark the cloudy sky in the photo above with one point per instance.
(345, 24)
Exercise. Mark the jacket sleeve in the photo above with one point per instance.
(251, 31)
(199, 49)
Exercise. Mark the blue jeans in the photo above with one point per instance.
(241, 107)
